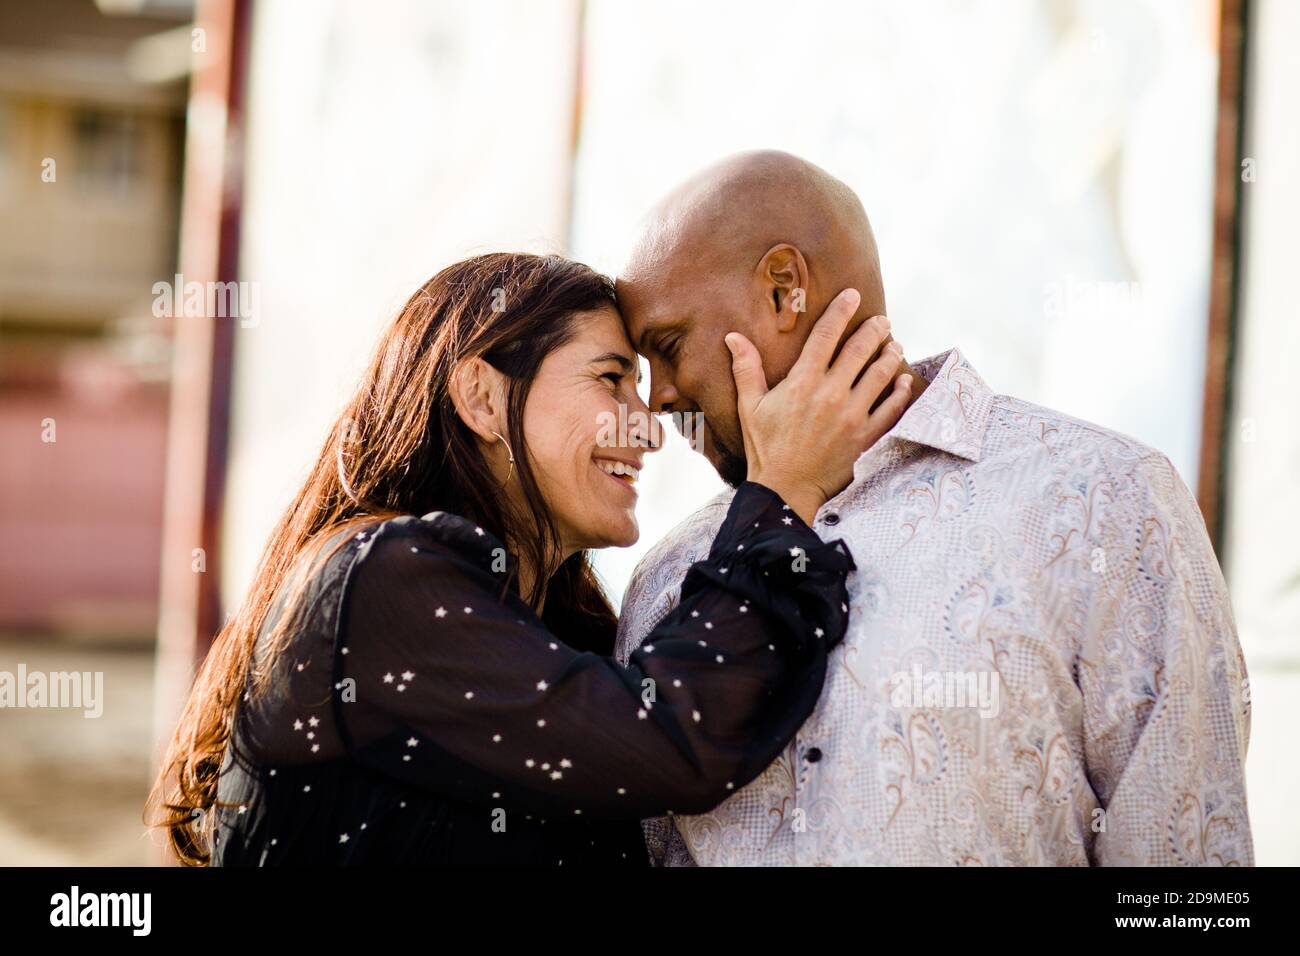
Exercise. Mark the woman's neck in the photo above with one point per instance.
(528, 579)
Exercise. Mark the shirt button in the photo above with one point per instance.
(832, 518)
(813, 755)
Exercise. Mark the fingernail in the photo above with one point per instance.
(730, 340)
(852, 296)
(884, 322)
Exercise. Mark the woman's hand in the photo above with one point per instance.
(802, 437)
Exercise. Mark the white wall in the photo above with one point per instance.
(1039, 177)
(1263, 515)
(386, 140)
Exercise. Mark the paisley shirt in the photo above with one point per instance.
(1041, 666)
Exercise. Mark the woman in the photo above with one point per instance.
(420, 672)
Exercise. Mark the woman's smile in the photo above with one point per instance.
(624, 473)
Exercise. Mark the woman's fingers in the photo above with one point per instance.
(825, 335)
(875, 380)
(858, 350)
(890, 411)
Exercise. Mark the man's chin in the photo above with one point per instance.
(731, 468)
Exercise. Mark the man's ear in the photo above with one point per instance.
(783, 274)
(478, 392)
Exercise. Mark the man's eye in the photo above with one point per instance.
(669, 348)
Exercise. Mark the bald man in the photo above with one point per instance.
(1042, 666)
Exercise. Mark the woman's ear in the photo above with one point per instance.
(478, 393)
(783, 273)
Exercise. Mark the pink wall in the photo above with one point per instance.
(81, 518)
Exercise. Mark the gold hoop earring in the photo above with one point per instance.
(511, 454)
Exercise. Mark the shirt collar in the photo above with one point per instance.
(952, 414)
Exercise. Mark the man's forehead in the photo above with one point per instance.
(644, 302)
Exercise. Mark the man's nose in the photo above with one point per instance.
(663, 394)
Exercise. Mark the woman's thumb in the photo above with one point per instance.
(746, 368)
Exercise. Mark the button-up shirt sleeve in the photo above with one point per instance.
(1166, 706)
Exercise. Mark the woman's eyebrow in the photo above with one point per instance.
(625, 363)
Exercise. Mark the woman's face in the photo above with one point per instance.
(588, 432)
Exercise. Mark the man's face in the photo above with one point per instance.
(676, 317)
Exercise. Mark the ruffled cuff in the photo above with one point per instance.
(766, 554)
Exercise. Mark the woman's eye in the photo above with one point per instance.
(615, 377)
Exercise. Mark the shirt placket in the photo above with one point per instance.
(813, 748)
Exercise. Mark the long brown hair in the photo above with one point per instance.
(399, 447)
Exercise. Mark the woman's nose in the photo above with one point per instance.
(650, 431)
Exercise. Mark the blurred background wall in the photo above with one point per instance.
(1046, 179)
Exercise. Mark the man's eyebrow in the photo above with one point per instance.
(660, 330)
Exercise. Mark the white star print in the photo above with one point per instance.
(542, 685)
(313, 721)
(297, 725)
(787, 521)
(441, 612)
(408, 676)
(388, 678)
(412, 742)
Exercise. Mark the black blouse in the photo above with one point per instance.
(422, 713)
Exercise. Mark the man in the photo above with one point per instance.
(1042, 666)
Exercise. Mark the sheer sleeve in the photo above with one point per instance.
(457, 687)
